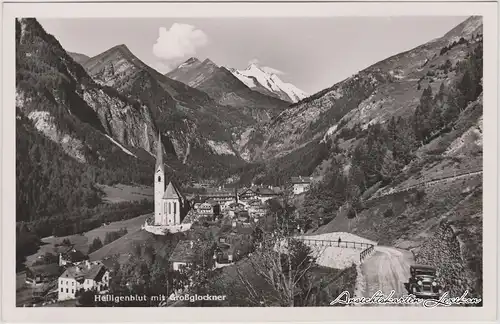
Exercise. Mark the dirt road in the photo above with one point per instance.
(387, 269)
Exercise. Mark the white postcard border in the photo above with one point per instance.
(489, 11)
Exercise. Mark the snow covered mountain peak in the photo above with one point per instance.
(267, 82)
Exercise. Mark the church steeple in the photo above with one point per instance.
(159, 153)
(159, 184)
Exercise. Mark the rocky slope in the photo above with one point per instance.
(221, 85)
(58, 95)
(196, 129)
(256, 78)
(405, 163)
(390, 88)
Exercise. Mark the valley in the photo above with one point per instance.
(390, 158)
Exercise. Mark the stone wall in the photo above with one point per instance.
(444, 251)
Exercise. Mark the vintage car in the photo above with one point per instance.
(424, 282)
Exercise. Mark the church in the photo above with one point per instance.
(170, 205)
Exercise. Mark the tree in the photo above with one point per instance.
(421, 116)
(286, 265)
(96, 245)
(66, 242)
(389, 169)
(87, 298)
(405, 143)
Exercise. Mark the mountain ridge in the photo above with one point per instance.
(190, 121)
(221, 85)
(267, 82)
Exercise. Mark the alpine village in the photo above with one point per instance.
(198, 182)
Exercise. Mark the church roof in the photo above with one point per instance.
(172, 192)
(159, 153)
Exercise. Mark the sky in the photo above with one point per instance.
(311, 53)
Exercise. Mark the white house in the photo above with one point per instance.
(83, 277)
(301, 184)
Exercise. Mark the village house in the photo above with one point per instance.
(301, 184)
(220, 196)
(205, 209)
(259, 192)
(266, 193)
(188, 252)
(247, 194)
(233, 208)
(83, 277)
(257, 208)
(72, 257)
(40, 274)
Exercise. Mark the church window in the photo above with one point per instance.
(175, 208)
(169, 208)
(159, 178)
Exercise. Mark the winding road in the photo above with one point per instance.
(387, 269)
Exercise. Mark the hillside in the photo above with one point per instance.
(52, 88)
(221, 85)
(403, 158)
(388, 89)
(63, 116)
(195, 129)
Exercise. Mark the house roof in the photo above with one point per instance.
(247, 190)
(241, 190)
(300, 179)
(74, 256)
(234, 205)
(172, 192)
(265, 191)
(94, 271)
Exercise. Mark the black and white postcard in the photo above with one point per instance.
(322, 161)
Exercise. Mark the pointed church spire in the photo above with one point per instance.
(159, 153)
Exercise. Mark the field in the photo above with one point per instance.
(82, 242)
(122, 246)
(120, 193)
(131, 225)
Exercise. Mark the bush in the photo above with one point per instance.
(66, 242)
(389, 212)
(419, 196)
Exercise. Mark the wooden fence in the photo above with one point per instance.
(345, 244)
(366, 252)
(333, 243)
